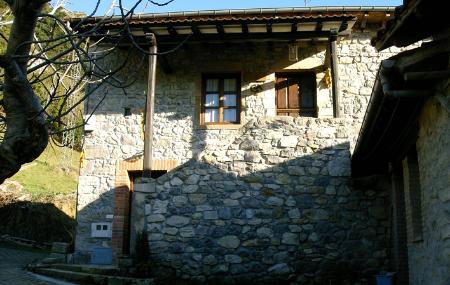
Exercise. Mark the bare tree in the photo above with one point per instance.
(44, 75)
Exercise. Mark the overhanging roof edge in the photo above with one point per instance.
(253, 11)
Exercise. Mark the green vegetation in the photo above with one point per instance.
(54, 90)
(44, 177)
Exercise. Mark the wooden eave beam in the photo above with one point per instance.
(246, 36)
(385, 19)
(343, 26)
(294, 27)
(172, 31)
(195, 30)
(319, 26)
(220, 30)
(364, 19)
(269, 28)
(244, 28)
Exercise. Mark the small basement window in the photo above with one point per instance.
(296, 94)
(221, 99)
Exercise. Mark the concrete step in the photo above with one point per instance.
(90, 278)
(92, 269)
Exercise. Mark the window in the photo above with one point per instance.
(221, 99)
(296, 94)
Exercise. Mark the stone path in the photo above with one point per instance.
(12, 263)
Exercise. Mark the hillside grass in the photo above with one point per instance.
(45, 177)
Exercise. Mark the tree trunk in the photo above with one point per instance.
(26, 134)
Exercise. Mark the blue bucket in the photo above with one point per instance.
(384, 279)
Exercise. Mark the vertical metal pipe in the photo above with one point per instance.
(149, 107)
(334, 75)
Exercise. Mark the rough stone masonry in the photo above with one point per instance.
(277, 203)
(269, 199)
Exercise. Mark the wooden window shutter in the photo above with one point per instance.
(296, 94)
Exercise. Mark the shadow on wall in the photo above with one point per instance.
(265, 218)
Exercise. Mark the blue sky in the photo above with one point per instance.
(87, 6)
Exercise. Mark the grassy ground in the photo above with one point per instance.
(49, 185)
(47, 176)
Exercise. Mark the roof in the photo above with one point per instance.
(413, 21)
(276, 23)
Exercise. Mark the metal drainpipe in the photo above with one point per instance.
(149, 107)
(334, 75)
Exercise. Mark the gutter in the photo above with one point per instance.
(252, 11)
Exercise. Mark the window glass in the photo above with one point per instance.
(212, 100)
(229, 115)
(212, 85)
(229, 100)
(229, 85)
(220, 99)
(211, 115)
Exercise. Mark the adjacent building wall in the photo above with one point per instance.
(430, 258)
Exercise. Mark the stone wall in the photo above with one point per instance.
(430, 258)
(277, 203)
(177, 134)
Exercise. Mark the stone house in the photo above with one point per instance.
(406, 134)
(255, 119)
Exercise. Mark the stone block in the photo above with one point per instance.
(290, 239)
(230, 242)
(288, 141)
(264, 232)
(339, 167)
(231, 258)
(190, 189)
(210, 260)
(155, 218)
(210, 215)
(187, 232)
(274, 201)
(178, 221)
(197, 199)
(179, 200)
(176, 181)
(280, 269)
(160, 207)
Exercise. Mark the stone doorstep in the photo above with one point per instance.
(89, 268)
(90, 278)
